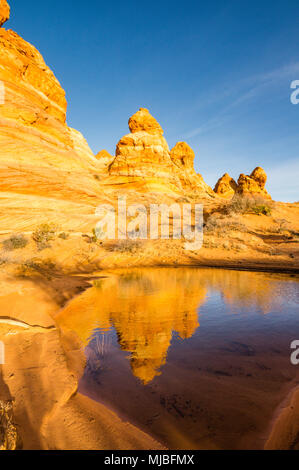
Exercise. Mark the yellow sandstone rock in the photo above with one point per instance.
(39, 153)
(4, 12)
(105, 159)
(144, 154)
(183, 156)
(253, 184)
(226, 186)
(143, 121)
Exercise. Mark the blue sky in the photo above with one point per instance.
(216, 74)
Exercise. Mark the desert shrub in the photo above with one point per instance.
(127, 246)
(249, 204)
(15, 242)
(261, 209)
(280, 226)
(64, 236)
(219, 223)
(44, 267)
(43, 235)
(91, 238)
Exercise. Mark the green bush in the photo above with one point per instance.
(261, 209)
(15, 242)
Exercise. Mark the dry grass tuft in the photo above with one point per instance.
(15, 242)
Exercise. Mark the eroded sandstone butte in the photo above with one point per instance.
(247, 185)
(253, 184)
(144, 154)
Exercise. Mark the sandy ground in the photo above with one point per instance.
(36, 283)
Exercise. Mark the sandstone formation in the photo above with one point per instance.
(8, 432)
(4, 12)
(104, 159)
(144, 154)
(142, 121)
(225, 186)
(39, 153)
(183, 158)
(253, 184)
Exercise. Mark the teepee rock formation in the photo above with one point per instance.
(144, 154)
(226, 186)
(253, 184)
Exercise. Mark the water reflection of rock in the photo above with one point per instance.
(145, 310)
(146, 306)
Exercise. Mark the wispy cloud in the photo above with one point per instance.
(244, 90)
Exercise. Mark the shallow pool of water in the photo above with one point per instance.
(198, 358)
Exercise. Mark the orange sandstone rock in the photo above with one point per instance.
(39, 153)
(144, 121)
(4, 12)
(144, 154)
(104, 158)
(183, 156)
(253, 184)
(226, 186)
(260, 176)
